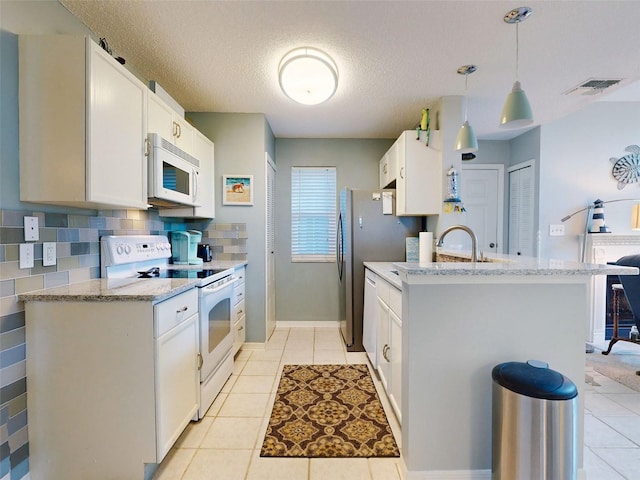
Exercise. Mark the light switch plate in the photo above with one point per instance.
(48, 254)
(556, 230)
(31, 232)
(26, 255)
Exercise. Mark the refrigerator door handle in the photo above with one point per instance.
(339, 247)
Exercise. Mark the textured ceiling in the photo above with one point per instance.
(394, 57)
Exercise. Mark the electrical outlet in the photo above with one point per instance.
(26, 255)
(556, 230)
(48, 254)
(31, 232)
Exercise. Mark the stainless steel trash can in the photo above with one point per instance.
(535, 414)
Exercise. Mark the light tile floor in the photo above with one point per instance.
(612, 424)
(226, 443)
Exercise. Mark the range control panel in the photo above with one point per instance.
(121, 249)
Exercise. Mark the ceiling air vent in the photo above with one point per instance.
(593, 86)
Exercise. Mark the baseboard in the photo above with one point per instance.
(462, 475)
(253, 346)
(450, 475)
(296, 324)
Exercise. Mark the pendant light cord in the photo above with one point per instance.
(517, 52)
(466, 97)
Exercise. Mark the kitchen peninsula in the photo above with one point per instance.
(461, 319)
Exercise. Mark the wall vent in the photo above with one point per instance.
(593, 86)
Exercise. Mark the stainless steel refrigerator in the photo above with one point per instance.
(365, 234)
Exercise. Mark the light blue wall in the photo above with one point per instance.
(309, 291)
(575, 170)
(240, 141)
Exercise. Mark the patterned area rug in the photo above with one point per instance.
(328, 411)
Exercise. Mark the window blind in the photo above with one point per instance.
(313, 214)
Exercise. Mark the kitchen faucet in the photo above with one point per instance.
(474, 239)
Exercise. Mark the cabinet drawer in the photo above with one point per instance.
(239, 333)
(395, 301)
(240, 274)
(171, 312)
(238, 311)
(238, 293)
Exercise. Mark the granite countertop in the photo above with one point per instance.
(124, 289)
(497, 264)
(502, 264)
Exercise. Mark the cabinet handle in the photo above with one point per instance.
(179, 130)
(402, 172)
(200, 361)
(384, 169)
(240, 312)
(147, 147)
(175, 129)
(183, 309)
(240, 328)
(385, 352)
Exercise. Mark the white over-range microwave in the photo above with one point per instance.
(173, 174)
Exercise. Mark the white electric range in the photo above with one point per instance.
(147, 257)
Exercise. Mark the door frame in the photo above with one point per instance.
(499, 167)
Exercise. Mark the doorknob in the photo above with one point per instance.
(492, 245)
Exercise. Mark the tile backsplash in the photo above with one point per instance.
(77, 238)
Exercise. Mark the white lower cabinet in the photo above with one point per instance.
(370, 317)
(111, 384)
(389, 344)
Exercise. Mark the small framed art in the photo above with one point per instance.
(237, 189)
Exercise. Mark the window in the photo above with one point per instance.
(313, 214)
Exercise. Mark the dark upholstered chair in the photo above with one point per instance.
(631, 286)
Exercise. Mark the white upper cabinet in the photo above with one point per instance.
(163, 120)
(203, 150)
(419, 177)
(389, 167)
(82, 125)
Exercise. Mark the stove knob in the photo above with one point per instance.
(120, 250)
(127, 249)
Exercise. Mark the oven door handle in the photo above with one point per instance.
(209, 289)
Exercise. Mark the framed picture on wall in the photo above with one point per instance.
(237, 189)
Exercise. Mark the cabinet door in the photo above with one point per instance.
(370, 317)
(384, 170)
(183, 135)
(159, 117)
(395, 354)
(116, 164)
(203, 151)
(384, 365)
(419, 177)
(177, 383)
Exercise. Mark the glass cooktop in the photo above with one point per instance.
(183, 273)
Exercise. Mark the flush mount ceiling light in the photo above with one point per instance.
(516, 111)
(466, 141)
(308, 76)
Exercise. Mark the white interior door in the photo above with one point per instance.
(270, 243)
(482, 190)
(521, 210)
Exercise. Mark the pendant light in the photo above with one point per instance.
(466, 141)
(516, 111)
(308, 76)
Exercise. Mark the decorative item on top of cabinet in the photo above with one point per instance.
(82, 125)
(419, 178)
(239, 315)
